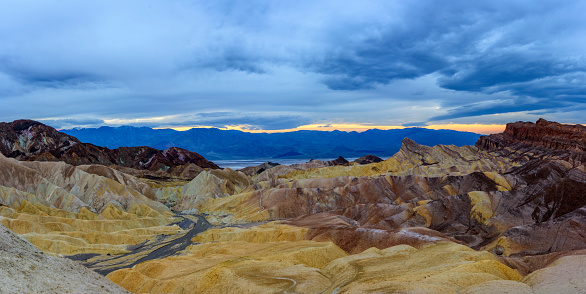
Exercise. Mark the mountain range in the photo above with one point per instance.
(216, 144)
(29, 140)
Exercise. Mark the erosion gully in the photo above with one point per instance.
(157, 248)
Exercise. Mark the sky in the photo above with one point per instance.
(288, 65)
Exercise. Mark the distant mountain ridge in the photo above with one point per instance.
(29, 140)
(217, 144)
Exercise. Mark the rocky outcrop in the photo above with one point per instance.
(324, 227)
(255, 170)
(33, 141)
(338, 161)
(63, 186)
(566, 275)
(206, 186)
(368, 159)
(316, 163)
(416, 159)
(22, 139)
(121, 178)
(63, 209)
(25, 269)
(547, 212)
(523, 141)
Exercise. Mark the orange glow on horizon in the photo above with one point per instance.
(474, 128)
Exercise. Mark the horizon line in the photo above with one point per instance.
(483, 129)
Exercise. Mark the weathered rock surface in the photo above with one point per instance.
(523, 141)
(274, 258)
(63, 186)
(120, 177)
(207, 185)
(355, 239)
(566, 275)
(316, 163)
(368, 159)
(547, 213)
(384, 202)
(64, 210)
(512, 209)
(415, 159)
(31, 140)
(255, 170)
(275, 172)
(530, 263)
(25, 269)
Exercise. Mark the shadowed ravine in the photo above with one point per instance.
(161, 247)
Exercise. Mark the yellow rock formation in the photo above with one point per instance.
(62, 232)
(207, 185)
(565, 275)
(236, 260)
(500, 180)
(481, 206)
(235, 267)
(237, 209)
(415, 159)
(439, 268)
(499, 286)
(63, 209)
(269, 232)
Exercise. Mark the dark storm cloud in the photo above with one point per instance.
(498, 107)
(247, 62)
(480, 46)
(20, 71)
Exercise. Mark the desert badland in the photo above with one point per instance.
(507, 215)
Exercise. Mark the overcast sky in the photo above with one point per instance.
(282, 64)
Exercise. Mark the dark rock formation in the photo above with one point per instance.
(523, 141)
(368, 159)
(33, 141)
(547, 213)
(255, 170)
(338, 161)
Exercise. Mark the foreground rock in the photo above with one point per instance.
(25, 269)
(566, 275)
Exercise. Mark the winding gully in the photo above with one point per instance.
(158, 248)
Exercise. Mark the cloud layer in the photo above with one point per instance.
(282, 64)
